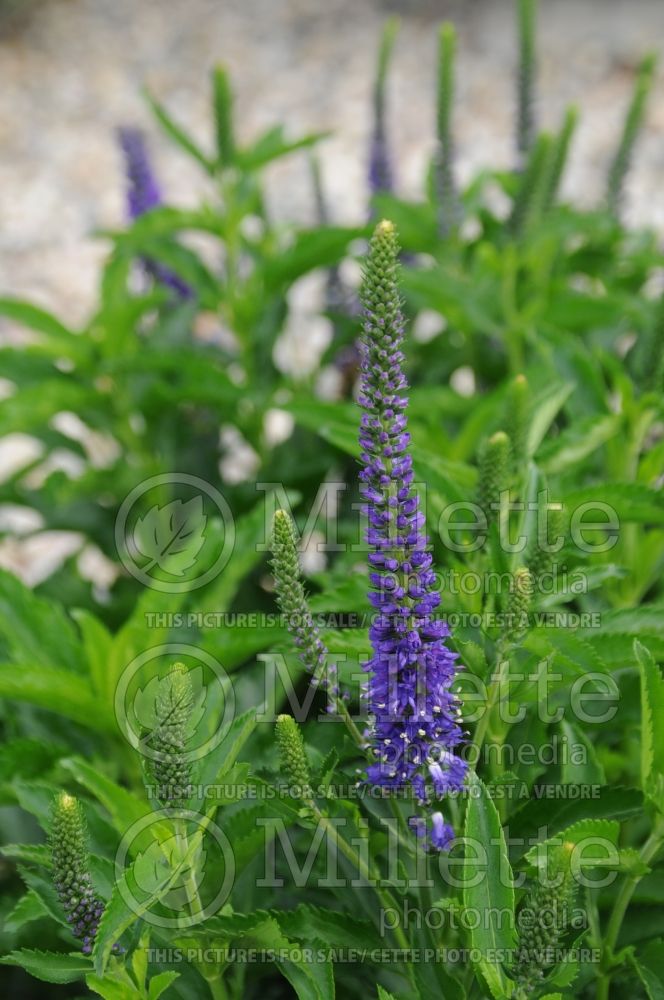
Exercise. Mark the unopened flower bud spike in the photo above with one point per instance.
(632, 127)
(293, 603)
(167, 765)
(494, 468)
(542, 921)
(448, 204)
(380, 163)
(526, 21)
(292, 756)
(71, 872)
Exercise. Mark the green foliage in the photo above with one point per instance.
(540, 398)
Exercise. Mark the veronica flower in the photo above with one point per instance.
(415, 714)
(71, 875)
(380, 164)
(144, 194)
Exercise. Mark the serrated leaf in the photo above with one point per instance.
(488, 887)
(607, 831)
(49, 966)
(29, 907)
(630, 502)
(652, 722)
(577, 442)
(160, 983)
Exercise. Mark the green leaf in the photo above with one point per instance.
(29, 907)
(37, 630)
(49, 966)
(160, 983)
(58, 337)
(124, 807)
(607, 831)
(633, 502)
(577, 442)
(652, 984)
(545, 412)
(488, 887)
(554, 815)
(572, 773)
(384, 995)
(310, 248)
(652, 722)
(58, 690)
(178, 134)
(272, 145)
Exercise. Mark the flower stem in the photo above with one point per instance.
(623, 899)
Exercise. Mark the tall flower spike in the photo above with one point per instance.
(169, 767)
(630, 133)
(448, 207)
(380, 166)
(71, 875)
(415, 714)
(527, 11)
(144, 194)
(560, 154)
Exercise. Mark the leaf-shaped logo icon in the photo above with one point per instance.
(171, 536)
(155, 866)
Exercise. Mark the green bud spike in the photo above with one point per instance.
(168, 766)
(526, 18)
(291, 597)
(448, 208)
(71, 874)
(380, 166)
(493, 474)
(292, 755)
(549, 530)
(630, 133)
(530, 196)
(559, 157)
(517, 418)
(542, 920)
(388, 38)
(379, 290)
(518, 604)
(223, 116)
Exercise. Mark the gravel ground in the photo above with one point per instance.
(71, 70)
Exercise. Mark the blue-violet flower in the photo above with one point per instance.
(416, 716)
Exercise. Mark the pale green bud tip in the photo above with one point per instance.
(447, 33)
(384, 228)
(65, 802)
(499, 440)
(522, 582)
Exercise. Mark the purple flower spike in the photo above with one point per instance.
(144, 194)
(143, 191)
(415, 714)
